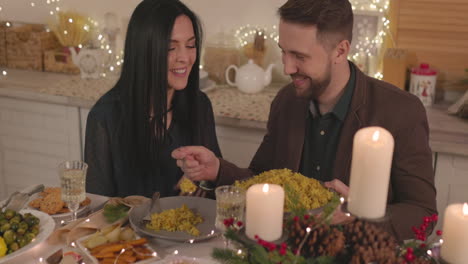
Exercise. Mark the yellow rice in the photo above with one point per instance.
(310, 191)
(187, 186)
(179, 219)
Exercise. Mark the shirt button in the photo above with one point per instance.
(318, 168)
(322, 132)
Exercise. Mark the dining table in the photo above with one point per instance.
(199, 251)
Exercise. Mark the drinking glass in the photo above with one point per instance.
(230, 203)
(72, 180)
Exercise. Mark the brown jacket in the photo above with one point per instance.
(412, 194)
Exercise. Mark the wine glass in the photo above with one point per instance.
(72, 180)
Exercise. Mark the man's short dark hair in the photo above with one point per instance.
(333, 18)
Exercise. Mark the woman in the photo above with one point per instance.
(155, 107)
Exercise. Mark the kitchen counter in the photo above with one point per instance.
(448, 134)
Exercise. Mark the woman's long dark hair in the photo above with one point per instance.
(143, 85)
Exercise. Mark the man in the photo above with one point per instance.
(313, 120)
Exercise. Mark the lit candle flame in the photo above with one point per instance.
(465, 209)
(376, 135)
(266, 188)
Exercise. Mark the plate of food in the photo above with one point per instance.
(182, 218)
(50, 202)
(32, 228)
(116, 244)
(300, 191)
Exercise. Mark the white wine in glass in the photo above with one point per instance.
(73, 182)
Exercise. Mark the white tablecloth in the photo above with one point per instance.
(163, 248)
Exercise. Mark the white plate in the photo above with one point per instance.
(184, 260)
(80, 243)
(63, 216)
(46, 227)
(205, 207)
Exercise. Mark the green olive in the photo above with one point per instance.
(22, 242)
(34, 230)
(23, 225)
(16, 219)
(5, 227)
(9, 237)
(9, 214)
(29, 236)
(14, 246)
(20, 231)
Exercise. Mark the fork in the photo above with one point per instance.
(155, 207)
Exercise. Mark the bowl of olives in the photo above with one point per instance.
(20, 231)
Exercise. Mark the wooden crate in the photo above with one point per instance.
(26, 45)
(59, 61)
(3, 60)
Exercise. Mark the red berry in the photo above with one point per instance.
(409, 250)
(239, 223)
(282, 251)
(306, 216)
(409, 257)
(256, 237)
(427, 219)
(435, 217)
(422, 245)
(296, 218)
(439, 232)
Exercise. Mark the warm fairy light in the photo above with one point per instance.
(266, 188)
(41, 260)
(73, 244)
(65, 32)
(33, 4)
(80, 46)
(87, 220)
(4, 73)
(308, 229)
(8, 24)
(100, 37)
(342, 199)
(376, 135)
(176, 252)
(122, 251)
(191, 241)
(70, 20)
(239, 251)
(441, 241)
(154, 254)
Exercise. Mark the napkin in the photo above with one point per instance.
(94, 222)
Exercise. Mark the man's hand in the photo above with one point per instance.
(338, 186)
(339, 217)
(198, 163)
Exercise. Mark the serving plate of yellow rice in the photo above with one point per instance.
(175, 212)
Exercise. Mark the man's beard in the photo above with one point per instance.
(316, 87)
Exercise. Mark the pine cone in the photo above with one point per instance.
(369, 243)
(323, 240)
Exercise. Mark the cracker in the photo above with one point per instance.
(36, 203)
(52, 203)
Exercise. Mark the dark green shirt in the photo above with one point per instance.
(322, 135)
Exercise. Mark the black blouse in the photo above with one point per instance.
(107, 172)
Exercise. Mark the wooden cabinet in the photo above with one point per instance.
(451, 180)
(34, 138)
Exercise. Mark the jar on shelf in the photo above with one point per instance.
(423, 83)
(221, 50)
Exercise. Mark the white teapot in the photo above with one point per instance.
(250, 78)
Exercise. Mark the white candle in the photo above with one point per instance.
(264, 211)
(370, 172)
(454, 250)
